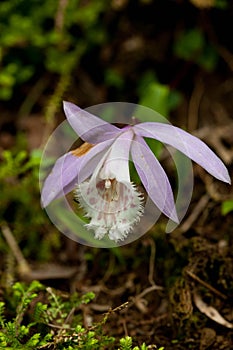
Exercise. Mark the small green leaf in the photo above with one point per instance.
(156, 96)
(227, 206)
(189, 44)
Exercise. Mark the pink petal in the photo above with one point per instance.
(89, 127)
(188, 144)
(61, 180)
(70, 170)
(153, 178)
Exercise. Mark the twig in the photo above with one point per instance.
(109, 270)
(107, 314)
(215, 136)
(226, 55)
(123, 321)
(23, 266)
(59, 19)
(33, 96)
(138, 300)
(205, 284)
(147, 290)
(195, 213)
(152, 263)
(54, 104)
(9, 274)
(194, 105)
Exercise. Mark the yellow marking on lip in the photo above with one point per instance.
(83, 149)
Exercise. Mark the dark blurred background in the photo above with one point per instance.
(172, 55)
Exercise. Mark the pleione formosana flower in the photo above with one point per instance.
(99, 175)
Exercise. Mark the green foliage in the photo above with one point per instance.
(17, 163)
(161, 99)
(54, 323)
(221, 4)
(14, 333)
(2, 316)
(87, 340)
(39, 36)
(20, 200)
(157, 96)
(191, 45)
(127, 344)
(19, 332)
(227, 207)
(19, 178)
(59, 308)
(23, 296)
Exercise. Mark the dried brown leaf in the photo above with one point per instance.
(210, 312)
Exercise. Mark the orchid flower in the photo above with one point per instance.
(98, 171)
